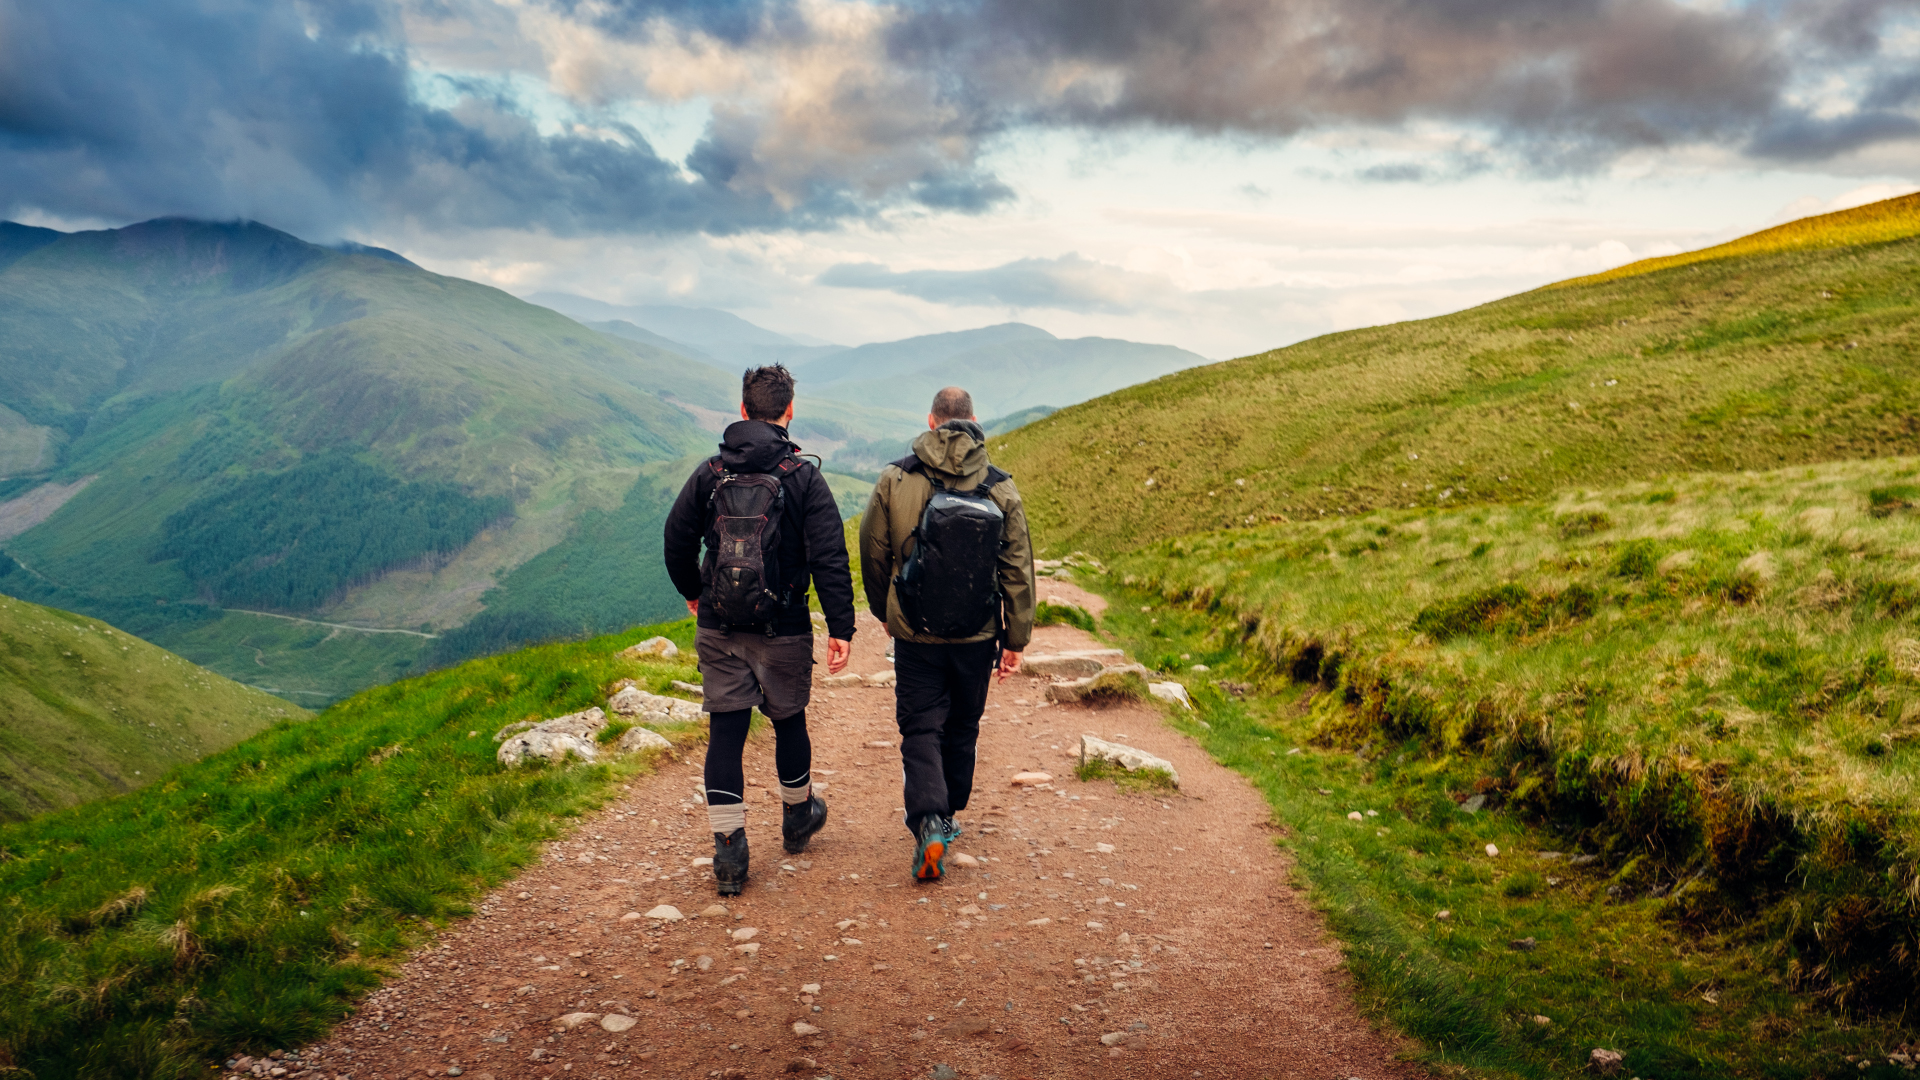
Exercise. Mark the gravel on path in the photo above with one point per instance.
(1080, 932)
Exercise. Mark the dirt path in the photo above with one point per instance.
(1181, 942)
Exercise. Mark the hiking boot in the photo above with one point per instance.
(935, 835)
(730, 862)
(799, 821)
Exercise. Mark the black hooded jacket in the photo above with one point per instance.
(812, 546)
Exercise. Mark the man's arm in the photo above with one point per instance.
(827, 557)
(1016, 569)
(684, 529)
(876, 547)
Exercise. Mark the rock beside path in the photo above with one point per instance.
(634, 740)
(654, 648)
(631, 701)
(1127, 757)
(554, 746)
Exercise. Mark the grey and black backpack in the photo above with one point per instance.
(743, 538)
(949, 584)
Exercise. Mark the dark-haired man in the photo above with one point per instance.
(770, 527)
(956, 614)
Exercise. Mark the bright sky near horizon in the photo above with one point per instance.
(1223, 175)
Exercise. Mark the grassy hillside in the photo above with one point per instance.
(1875, 223)
(249, 898)
(93, 711)
(252, 411)
(1745, 362)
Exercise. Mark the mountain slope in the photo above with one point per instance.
(722, 335)
(1010, 374)
(888, 359)
(179, 371)
(91, 710)
(1745, 362)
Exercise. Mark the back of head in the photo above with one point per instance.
(765, 392)
(952, 403)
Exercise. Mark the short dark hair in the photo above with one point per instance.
(952, 403)
(766, 392)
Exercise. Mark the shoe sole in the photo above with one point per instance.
(728, 888)
(929, 868)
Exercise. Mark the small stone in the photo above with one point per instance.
(849, 679)
(802, 1028)
(1356, 815)
(703, 861)
(810, 988)
(879, 744)
(1525, 944)
(1039, 922)
(454, 1070)
(963, 859)
(653, 647)
(1606, 1062)
(1443, 915)
(881, 679)
(1104, 849)
(705, 962)
(575, 1019)
(802, 1065)
(1543, 1021)
(1025, 779)
(750, 949)
(525, 896)
(617, 1023)
(944, 1072)
(715, 911)
(632, 916)
(666, 913)
(1113, 1038)
(1474, 804)
(746, 933)
(1492, 852)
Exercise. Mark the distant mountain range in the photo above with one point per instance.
(1009, 368)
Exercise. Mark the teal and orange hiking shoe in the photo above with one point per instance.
(936, 834)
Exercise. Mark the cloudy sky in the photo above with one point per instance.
(1225, 175)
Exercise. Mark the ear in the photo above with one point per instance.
(933, 422)
(786, 420)
(743, 411)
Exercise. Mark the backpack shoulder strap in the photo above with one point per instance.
(910, 464)
(995, 475)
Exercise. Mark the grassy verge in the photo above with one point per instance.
(1706, 689)
(249, 898)
(1527, 933)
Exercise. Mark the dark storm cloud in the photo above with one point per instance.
(1569, 82)
(1068, 283)
(303, 116)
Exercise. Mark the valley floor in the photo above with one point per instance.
(1184, 944)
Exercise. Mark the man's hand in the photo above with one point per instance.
(1009, 663)
(693, 608)
(838, 653)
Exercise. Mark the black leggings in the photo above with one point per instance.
(792, 754)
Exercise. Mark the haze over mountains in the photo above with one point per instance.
(314, 468)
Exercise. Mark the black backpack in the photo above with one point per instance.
(743, 536)
(949, 584)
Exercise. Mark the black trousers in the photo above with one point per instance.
(940, 692)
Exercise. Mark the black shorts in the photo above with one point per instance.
(746, 669)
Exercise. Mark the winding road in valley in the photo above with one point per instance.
(1094, 934)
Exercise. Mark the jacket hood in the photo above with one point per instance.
(754, 446)
(956, 449)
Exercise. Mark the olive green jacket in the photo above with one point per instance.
(957, 451)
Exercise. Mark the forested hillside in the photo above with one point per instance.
(224, 417)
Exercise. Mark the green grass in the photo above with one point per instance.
(92, 711)
(1713, 685)
(1750, 362)
(251, 897)
(1131, 781)
(1631, 972)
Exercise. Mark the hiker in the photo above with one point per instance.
(770, 526)
(945, 559)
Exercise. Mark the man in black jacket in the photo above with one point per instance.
(768, 664)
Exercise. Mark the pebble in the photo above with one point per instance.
(714, 911)
(1492, 852)
(964, 859)
(944, 1072)
(632, 916)
(454, 1070)
(704, 860)
(1027, 778)
(575, 1019)
(746, 933)
(1525, 944)
(1443, 915)
(801, 1027)
(810, 988)
(1039, 922)
(1113, 1038)
(617, 1023)
(751, 949)
(1104, 849)
(526, 896)
(666, 913)
(1356, 815)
